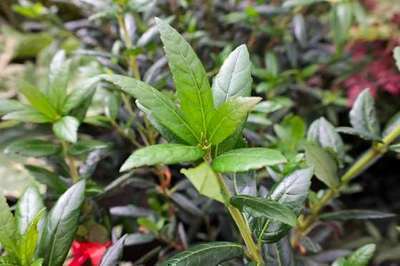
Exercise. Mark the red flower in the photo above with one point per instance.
(84, 251)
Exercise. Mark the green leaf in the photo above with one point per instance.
(323, 133)
(234, 77)
(363, 116)
(9, 260)
(280, 254)
(355, 215)
(341, 19)
(87, 145)
(28, 207)
(293, 3)
(29, 240)
(51, 180)
(161, 107)
(61, 225)
(7, 106)
(324, 165)
(162, 154)
(67, 129)
(260, 207)
(245, 159)
(212, 253)
(229, 117)
(32, 147)
(8, 228)
(27, 114)
(396, 56)
(391, 124)
(113, 105)
(38, 100)
(290, 133)
(362, 256)
(114, 253)
(205, 181)
(190, 78)
(80, 95)
(58, 80)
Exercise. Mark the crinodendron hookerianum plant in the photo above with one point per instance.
(206, 129)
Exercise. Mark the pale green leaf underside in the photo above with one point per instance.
(163, 154)
(28, 207)
(245, 159)
(205, 181)
(206, 254)
(67, 129)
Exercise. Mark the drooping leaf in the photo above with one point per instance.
(324, 165)
(205, 181)
(211, 253)
(114, 253)
(260, 207)
(162, 154)
(28, 207)
(61, 225)
(8, 228)
(53, 181)
(38, 100)
(191, 81)
(245, 159)
(58, 80)
(356, 215)
(67, 129)
(322, 132)
(228, 118)
(161, 107)
(363, 116)
(234, 76)
(32, 147)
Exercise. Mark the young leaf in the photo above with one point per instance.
(355, 215)
(161, 107)
(245, 159)
(162, 154)
(67, 129)
(234, 77)
(362, 255)
(58, 80)
(205, 181)
(190, 78)
(228, 117)
(363, 116)
(38, 100)
(61, 224)
(78, 96)
(212, 253)
(260, 207)
(8, 228)
(324, 165)
(114, 253)
(32, 147)
(323, 133)
(28, 207)
(51, 180)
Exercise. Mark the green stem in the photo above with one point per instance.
(73, 170)
(376, 151)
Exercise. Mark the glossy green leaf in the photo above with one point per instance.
(161, 107)
(323, 133)
(29, 240)
(211, 253)
(245, 159)
(79, 95)
(27, 114)
(8, 228)
(162, 154)
(362, 256)
(363, 116)
(229, 117)
(114, 253)
(28, 207)
(325, 167)
(61, 225)
(51, 180)
(190, 78)
(356, 215)
(234, 77)
(58, 80)
(32, 147)
(67, 129)
(260, 207)
(113, 105)
(205, 181)
(38, 100)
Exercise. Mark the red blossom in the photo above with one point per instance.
(82, 252)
